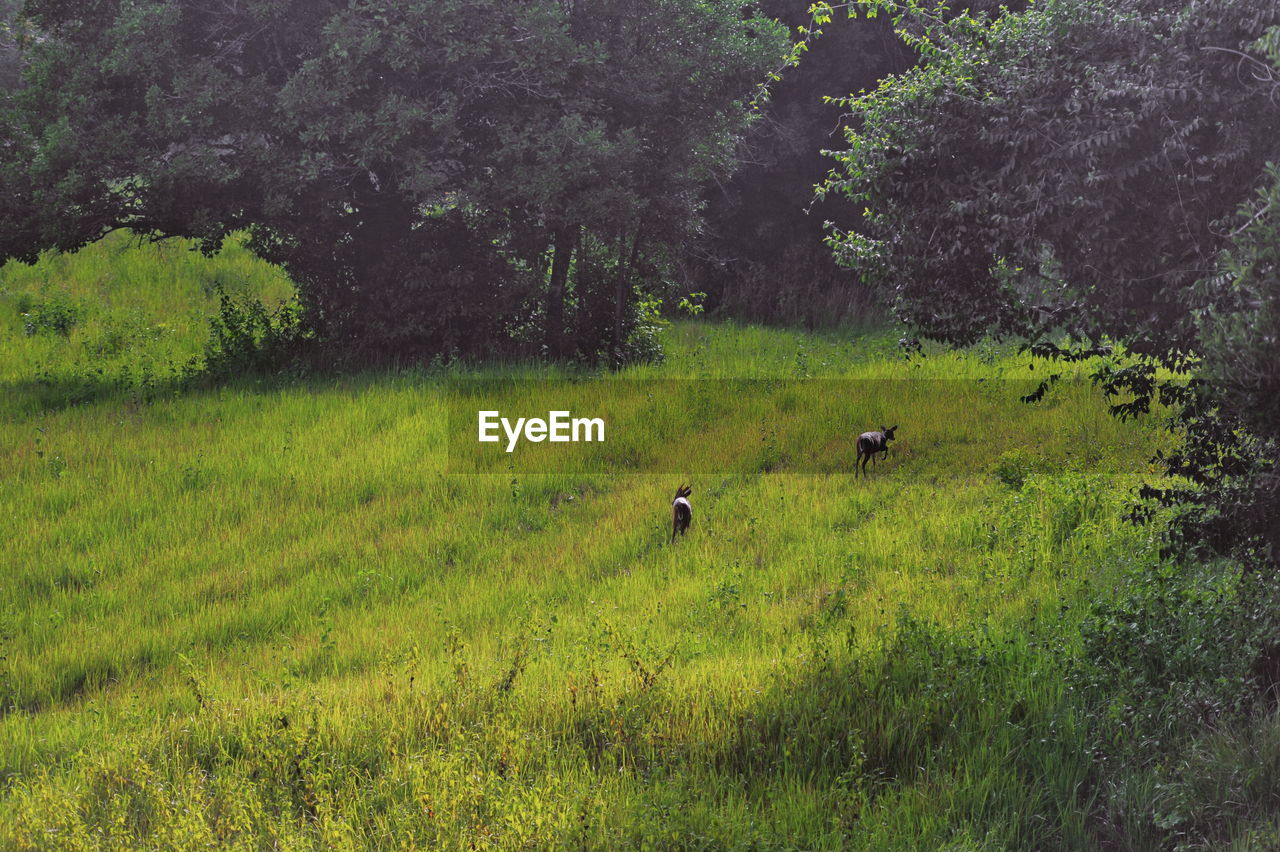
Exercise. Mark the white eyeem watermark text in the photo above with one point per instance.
(559, 427)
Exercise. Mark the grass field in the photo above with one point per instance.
(260, 614)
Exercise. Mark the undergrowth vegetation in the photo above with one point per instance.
(258, 613)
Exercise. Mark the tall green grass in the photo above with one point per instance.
(261, 614)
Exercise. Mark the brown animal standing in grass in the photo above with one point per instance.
(681, 512)
(870, 443)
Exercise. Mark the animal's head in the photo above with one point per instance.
(888, 433)
(683, 491)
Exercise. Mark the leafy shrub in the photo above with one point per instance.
(644, 343)
(1177, 650)
(1178, 680)
(57, 314)
(1016, 465)
(246, 337)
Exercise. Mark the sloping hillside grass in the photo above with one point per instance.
(261, 614)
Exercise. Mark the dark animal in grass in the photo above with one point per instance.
(871, 443)
(681, 512)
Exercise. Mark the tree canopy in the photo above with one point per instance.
(430, 172)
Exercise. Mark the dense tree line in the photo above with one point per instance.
(436, 175)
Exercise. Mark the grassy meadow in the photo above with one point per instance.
(261, 614)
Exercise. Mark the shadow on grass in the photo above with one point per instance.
(315, 368)
(953, 731)
(49, 394)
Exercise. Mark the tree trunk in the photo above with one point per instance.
(563, 243)
(620, 287)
